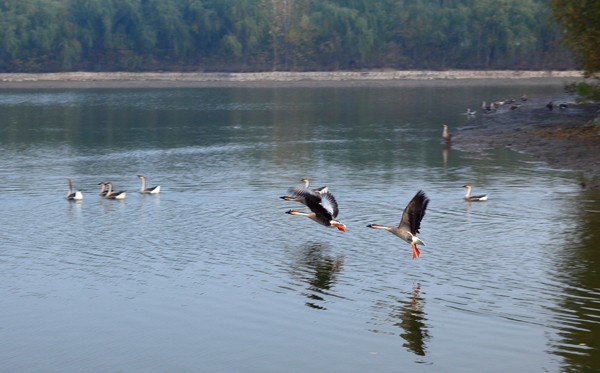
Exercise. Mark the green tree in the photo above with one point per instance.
(581, 23)
(54, 35)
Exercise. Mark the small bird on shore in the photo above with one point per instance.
(323, 207)
(488, 108)
(410, 223)
(470, 198)
(144, 190)
(550, 105)
(73, 195)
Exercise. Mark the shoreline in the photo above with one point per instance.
(566, 140)
(279, 79)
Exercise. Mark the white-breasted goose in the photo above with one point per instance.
(73, 195)
(144, 190)
(114, 195)
(323, 207)
(410, 223)
(470, 198)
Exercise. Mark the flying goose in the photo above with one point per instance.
(410, 223)
(323, 207)
(298, 196)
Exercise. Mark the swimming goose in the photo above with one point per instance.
(73, 196)
(103, 190)
(297, 195)
(144, 190)
(410, 223)
(114, 195)
(470, 198)
(446, 136)
(323, 207)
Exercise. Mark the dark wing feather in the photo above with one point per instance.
(414, 213)
(330, 204)
(300, 192)
(315, 203)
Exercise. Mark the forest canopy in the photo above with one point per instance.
(285, 35)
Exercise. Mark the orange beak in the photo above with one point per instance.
(341, 227)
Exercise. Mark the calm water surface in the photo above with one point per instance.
(212, 275)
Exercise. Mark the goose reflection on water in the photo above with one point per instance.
(318, 271)
(408, 315)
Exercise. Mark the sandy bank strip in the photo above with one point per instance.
(174, 79)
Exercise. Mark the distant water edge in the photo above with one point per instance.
(150, 79)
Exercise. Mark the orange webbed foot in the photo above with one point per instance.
(415, 251)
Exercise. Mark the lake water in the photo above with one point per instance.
(212, 275)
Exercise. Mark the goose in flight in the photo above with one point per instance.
(410, 223)
(323, 207)
(73, 195)
(298, 196)
(114, 195)
(321, 190)
(144, 190)
(470, 198)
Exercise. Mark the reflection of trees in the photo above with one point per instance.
(408, 315)
(318, 270)
(579, 308)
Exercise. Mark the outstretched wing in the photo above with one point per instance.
(320, 205)
(414, 213)
(301, 193)
(330, 204)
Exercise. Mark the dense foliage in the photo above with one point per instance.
(243, 35)
(581, 22)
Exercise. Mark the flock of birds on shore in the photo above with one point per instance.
(322, 205)
(512, 104)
